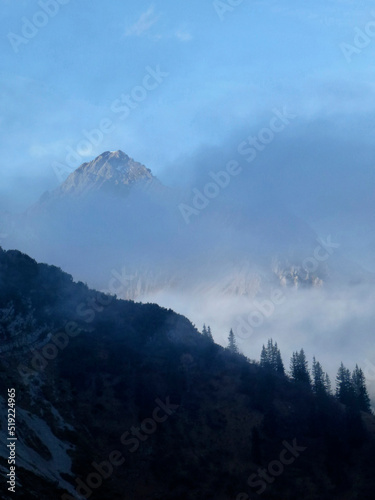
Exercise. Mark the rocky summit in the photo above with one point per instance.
(112, 170)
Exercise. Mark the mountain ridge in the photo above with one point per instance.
(89, 390)
(112, 172)
(116, 195)
(114, 168)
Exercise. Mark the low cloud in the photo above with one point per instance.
(333, 324)
(146, 20)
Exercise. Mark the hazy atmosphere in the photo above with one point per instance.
(221, 73)
(214, 158)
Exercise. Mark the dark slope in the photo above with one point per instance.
(83, 394)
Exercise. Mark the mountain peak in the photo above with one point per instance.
(110, 170)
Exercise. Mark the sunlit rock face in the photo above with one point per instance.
(112, 170)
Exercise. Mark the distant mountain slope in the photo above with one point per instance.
(112, 168)
(113, 214)
(121, 401)
(113, 173)
(112, 207)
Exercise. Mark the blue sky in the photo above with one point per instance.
(221, 80)
(225, 75)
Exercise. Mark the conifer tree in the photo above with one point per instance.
(344, 386)
(209, 334)
(264, 358)
(293, 367)
(299, 368)
(232, 345)
(270, 358)
(327, 383)
(271, 354)
(279, 365)
(318, 378)
(206, 332)
(360, 390)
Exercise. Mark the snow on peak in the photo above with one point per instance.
(111, 169)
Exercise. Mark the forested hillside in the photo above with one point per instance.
(125, 401)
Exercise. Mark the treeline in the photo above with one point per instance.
(350, 388)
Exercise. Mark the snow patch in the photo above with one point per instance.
(29, 458)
